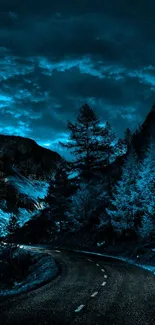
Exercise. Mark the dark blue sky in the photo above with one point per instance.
(55, 56)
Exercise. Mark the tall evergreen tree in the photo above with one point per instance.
(93, 146)
(146, 187)
(125, 204)
(84, 140)
(110, 146)
(107, 144)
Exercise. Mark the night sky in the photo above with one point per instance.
(57, 55)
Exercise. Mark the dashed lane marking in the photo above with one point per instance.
(79, 308)
(89, 260)
(97, 264)
(94, 294)
(103, 284)
(105, 276)
(102, 270)
(57, 251)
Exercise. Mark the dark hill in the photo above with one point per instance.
(25, 170)
(27, 156)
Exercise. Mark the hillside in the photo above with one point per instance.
(26, 155)
(25, 170)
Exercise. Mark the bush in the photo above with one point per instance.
(14, 264)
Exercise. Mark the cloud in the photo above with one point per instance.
(55, 56)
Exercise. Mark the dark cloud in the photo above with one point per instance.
(55, 56)
(126, 8)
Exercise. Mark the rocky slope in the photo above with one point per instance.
(26, 155)
(25, 170)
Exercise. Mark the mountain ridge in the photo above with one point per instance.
(27, 155)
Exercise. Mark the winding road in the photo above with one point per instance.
(88, 291)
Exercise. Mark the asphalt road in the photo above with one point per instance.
(88, 291)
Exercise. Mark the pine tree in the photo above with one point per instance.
(84, 140)
(125, 204)
(107, 144)
(146, 187)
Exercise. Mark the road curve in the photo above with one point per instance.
(88, 291)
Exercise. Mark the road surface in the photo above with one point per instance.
(88, 291)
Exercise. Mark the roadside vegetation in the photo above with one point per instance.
(14, 265)
(104, 198)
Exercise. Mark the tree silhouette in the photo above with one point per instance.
(146, 187)
(127, 137)
(58, 197)
(92, 145)
(125, 204)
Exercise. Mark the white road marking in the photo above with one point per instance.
(89, 260)
(103, 284)
(57, 251)
(94, 294)
(97, 264)
(102, 270)
(79, 308)
(105, 276)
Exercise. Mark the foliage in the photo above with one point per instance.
(146, 229)
(93, 190)
(88, 203)
(83, 142)
(124, 204)
(146, 187)
(109, 146)
(14, 264)
(133, 204)
(59, 193)
(92, 146)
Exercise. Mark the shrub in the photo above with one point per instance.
(14, 264)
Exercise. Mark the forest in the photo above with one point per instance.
(106, 193)
(102, 200)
